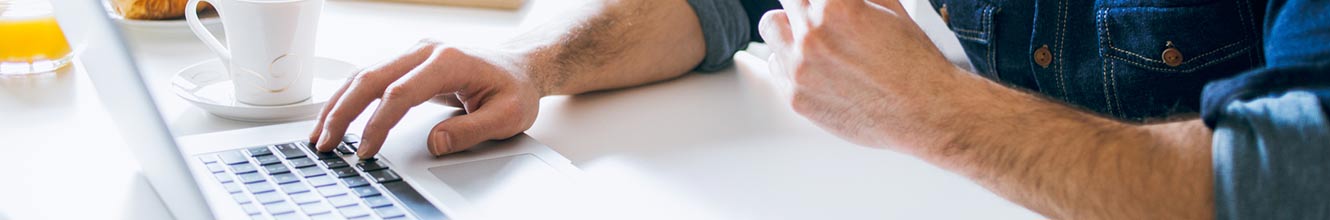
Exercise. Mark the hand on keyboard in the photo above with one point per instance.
(468, 78)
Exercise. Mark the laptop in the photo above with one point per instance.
(271, 173)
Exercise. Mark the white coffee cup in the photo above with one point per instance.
(269, 47)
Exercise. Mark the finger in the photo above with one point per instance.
(493, 120)
(797, 11)
(367, 87)
(893, 5)
(409, 91)
(780, 76)
(327, 107)
(775, 28)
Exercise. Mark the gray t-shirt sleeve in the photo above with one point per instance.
(725, 28)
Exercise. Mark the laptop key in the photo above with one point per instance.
(330, 191)
(315, 208)
(293, 188)
(240, 198)
(243, 168)
(389, 212)
(334, 163)
(351, 138)
(321, 181)
(223, 177)
(232, 157)
(216, 167)
(207, 159)
(260, 187)
(269, 197)
(290, 150)
(377, 201)
(371, 165)
(324, 155)
(365, 191)
(274, 169)
(306, 197)
(344, 172)
(384, 176)
(353, 211)
(252, 209)
(232, 187)
(267, 159)
(280, 208)
(285, 178)
(259, 151)
(310, 171)
(342, 201)
(250, 177)
(355, 181)
(345, 149)
(301, 162)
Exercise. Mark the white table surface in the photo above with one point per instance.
(719, 146)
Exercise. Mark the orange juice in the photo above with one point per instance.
(30, 39)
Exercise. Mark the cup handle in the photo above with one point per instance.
(192, 18)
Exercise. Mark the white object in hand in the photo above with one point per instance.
(270, 47)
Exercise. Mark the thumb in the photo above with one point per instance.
(500, 118)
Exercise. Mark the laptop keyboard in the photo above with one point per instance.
(294, 181)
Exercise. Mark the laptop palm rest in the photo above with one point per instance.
(513, 187)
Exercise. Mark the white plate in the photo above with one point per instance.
(208, 86)
(209, 18)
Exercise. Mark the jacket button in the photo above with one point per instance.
(942, 12)
(1172, 57)
(1042, 56)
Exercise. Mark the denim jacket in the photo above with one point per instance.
(1258, 73)
(1107, 56)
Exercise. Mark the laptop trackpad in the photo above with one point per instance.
(513, 187)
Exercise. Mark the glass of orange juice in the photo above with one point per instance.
(30, 40)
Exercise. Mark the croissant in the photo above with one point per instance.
(154, 9)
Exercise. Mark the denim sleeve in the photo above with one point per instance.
(725, 29)
(1271, 143)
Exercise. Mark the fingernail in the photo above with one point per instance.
(363, 154)
(323, 138)
(439, 144)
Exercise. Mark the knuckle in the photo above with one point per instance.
(799, 103)
(448, 52)
(396, 92)
(363, 77)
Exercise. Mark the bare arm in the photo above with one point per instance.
(1067, 164)
(603, 45)
(616, 43)
(867, 73)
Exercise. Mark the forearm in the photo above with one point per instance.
(612, 44)
(1067, 164)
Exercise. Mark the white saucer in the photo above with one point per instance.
(208, 86)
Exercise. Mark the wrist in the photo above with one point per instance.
(958, 113)
(533, 69)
